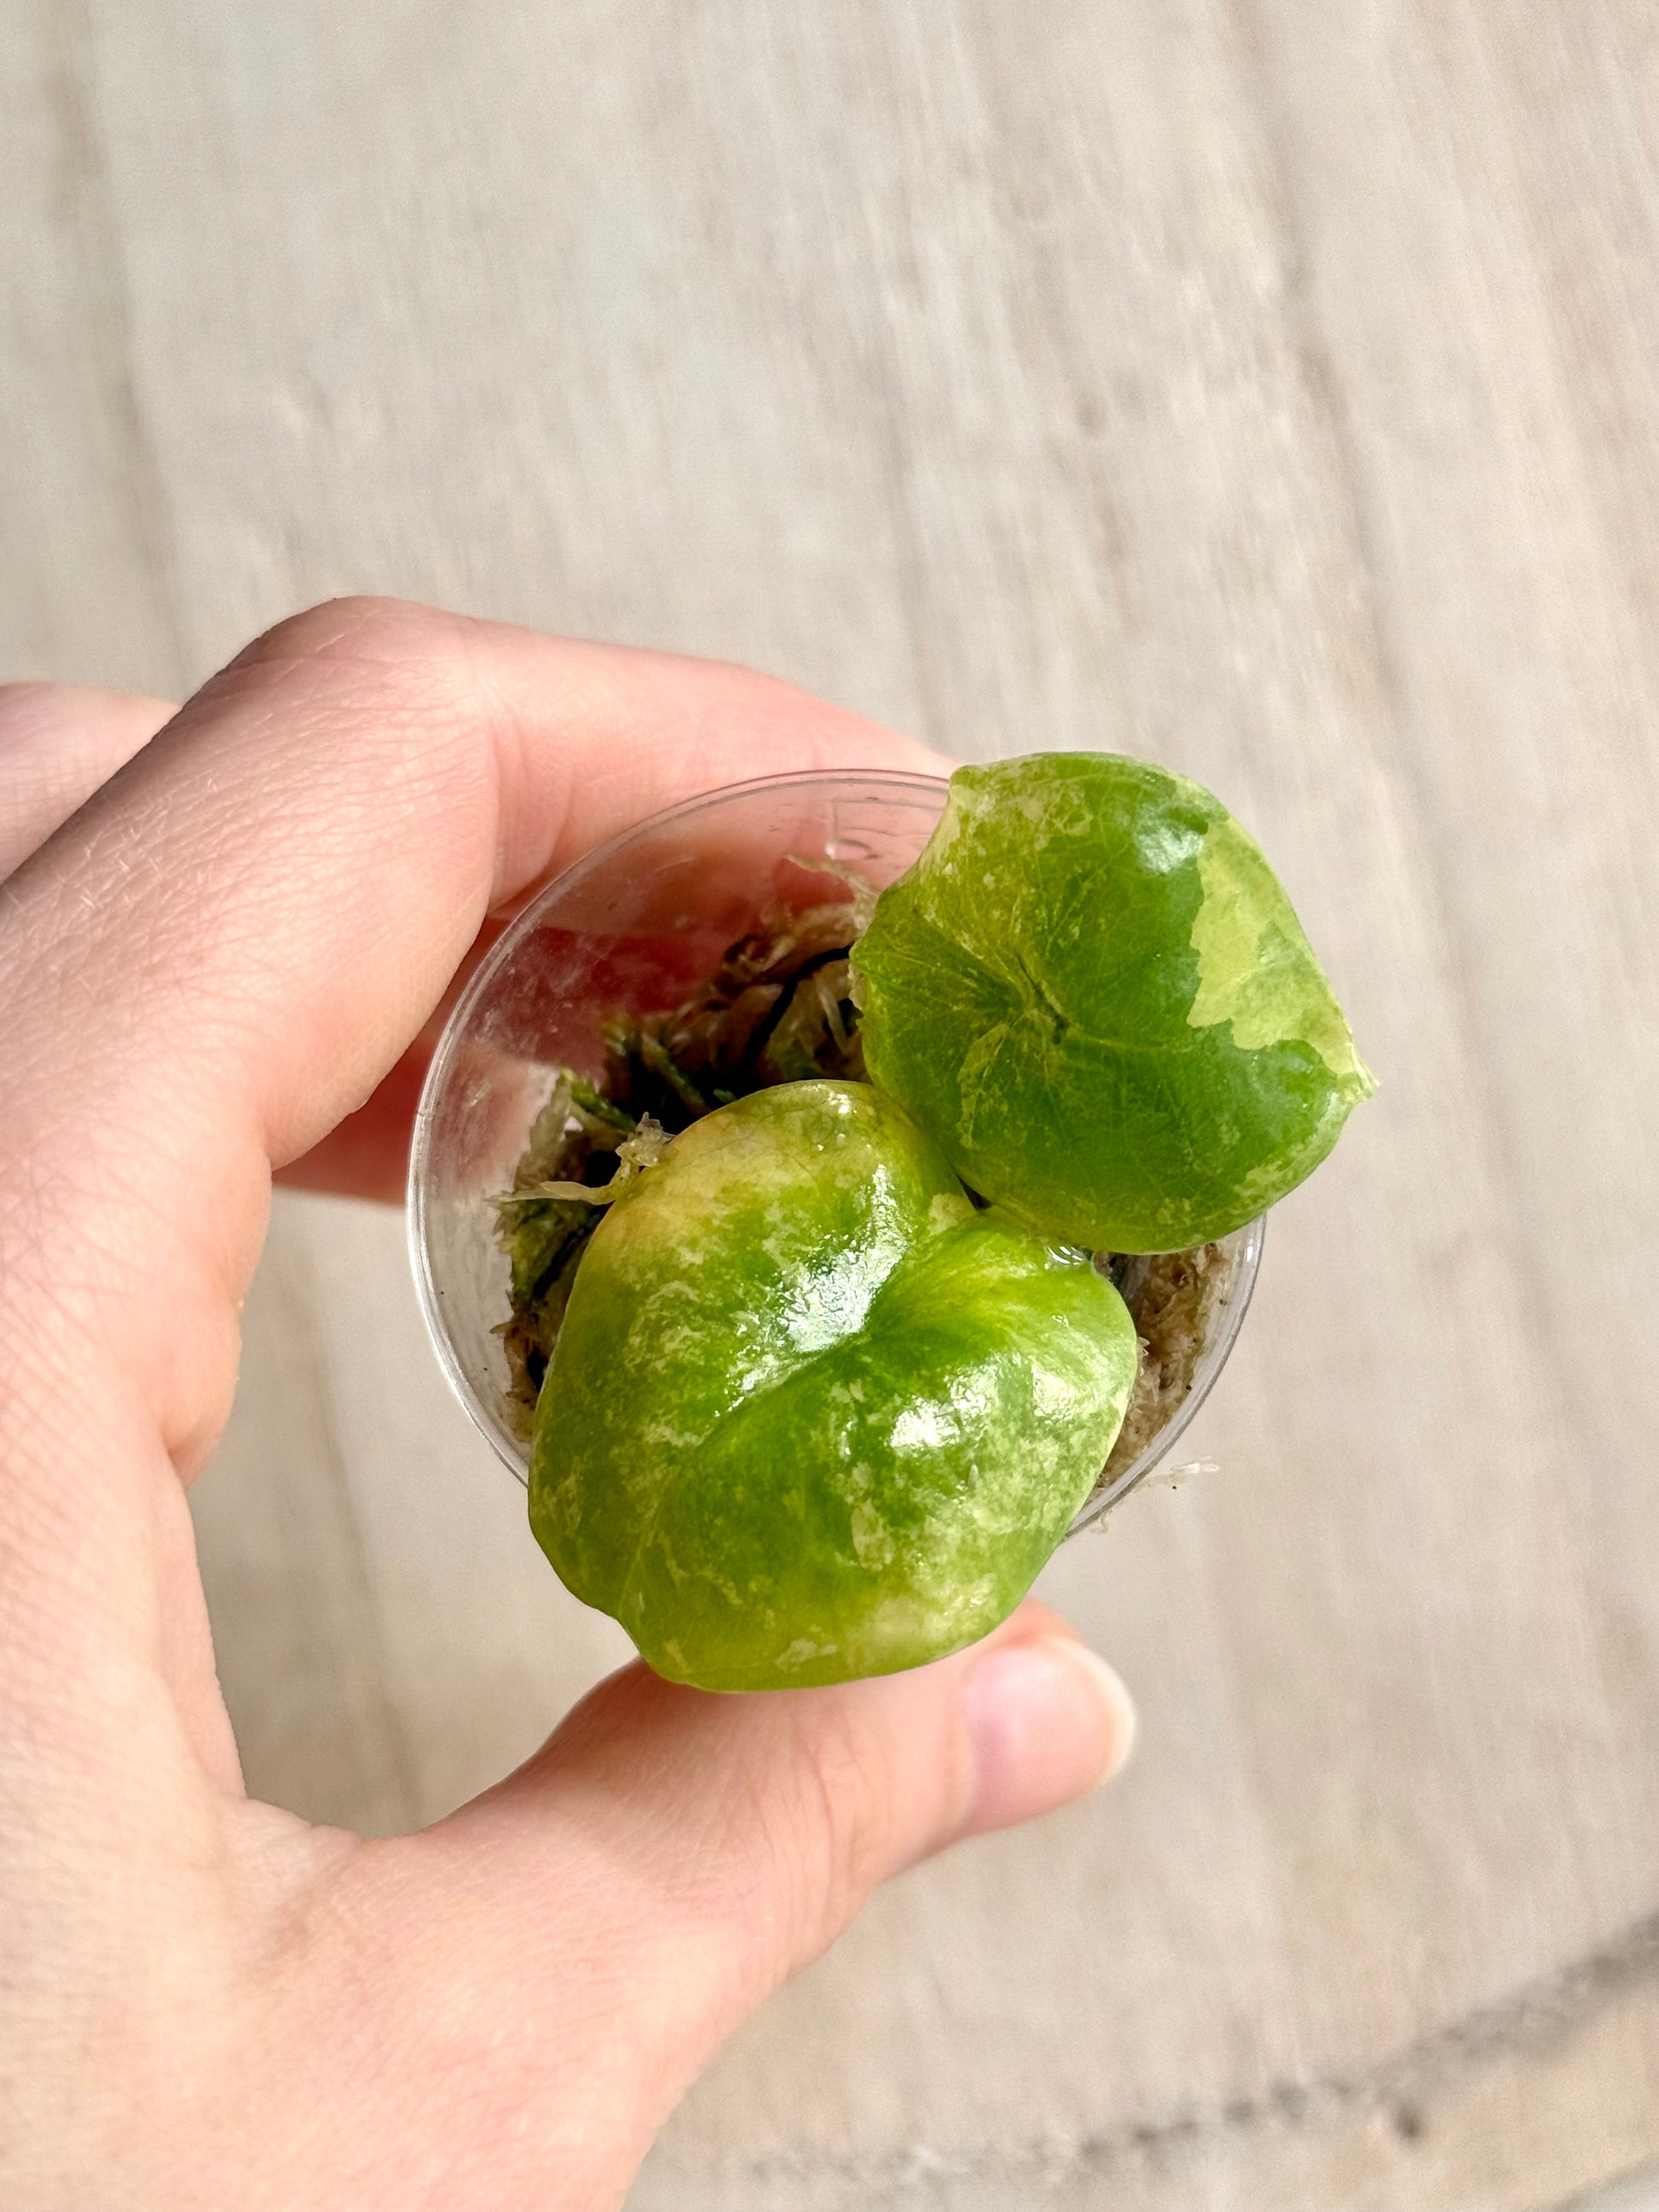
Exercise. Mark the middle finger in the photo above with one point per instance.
(59, 743)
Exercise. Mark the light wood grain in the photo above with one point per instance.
(1271, 390)
(1633, 2192)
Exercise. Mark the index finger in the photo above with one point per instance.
(231, 945)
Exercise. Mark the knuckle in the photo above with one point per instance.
(354, 631)
(798, 1836)
(379, 680)
(838, 1814)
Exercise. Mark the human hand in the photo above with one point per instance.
(215, 969)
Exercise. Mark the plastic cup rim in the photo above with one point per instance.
(1246, 1261)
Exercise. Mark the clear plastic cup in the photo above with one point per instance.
(635, 927)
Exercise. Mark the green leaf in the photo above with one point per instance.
(1093, 993)
(811, 1415)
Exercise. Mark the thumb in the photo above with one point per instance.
(505, 2007)
(691, 1851)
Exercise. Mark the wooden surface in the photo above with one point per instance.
(1272, 389)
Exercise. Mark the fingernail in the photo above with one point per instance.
(1047, 1720)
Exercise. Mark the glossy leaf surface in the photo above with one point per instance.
(1091, 990)
(811, 1415)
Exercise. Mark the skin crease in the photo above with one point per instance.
(224, 951)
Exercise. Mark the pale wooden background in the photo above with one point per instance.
(1271, 387)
